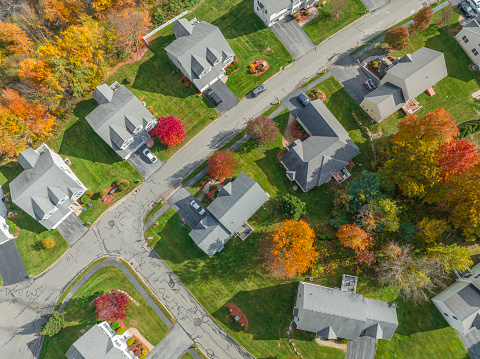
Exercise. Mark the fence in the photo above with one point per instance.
(164, 25)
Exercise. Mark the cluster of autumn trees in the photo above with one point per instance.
(401, 222)
(52, 54)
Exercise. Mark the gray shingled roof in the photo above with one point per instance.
(465, 302)
(36, 189)
(196, 51)
(274, 6)
(234, 205)
(328, 149)
(114, 120)
(94, 344)
(331, 312)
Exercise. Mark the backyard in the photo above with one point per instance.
(453, 92)
(324, 26)
(81, 315)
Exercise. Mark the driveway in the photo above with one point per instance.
(292, 36)
(72, 228)
(229, 100)
(11, 265)
(347, 71)
(471, 340)
(292, 103)
(361, 348)
(173, 346)
(142, 164)
(373, 5)
(180, 201)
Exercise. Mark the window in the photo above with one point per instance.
(127, 143)
(137, 130)
(228, 60)
(216, 62)
(464, 38)
(76, 195)
(475, 52)
(150, 125)
(62, 201)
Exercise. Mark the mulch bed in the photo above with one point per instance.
(109, 197)
(140, 344)
(281, 153)
(455, 31)
(376, 71)
(302, 16)
(317, 94)
(235, 311)
(298, 133)
(257, 63)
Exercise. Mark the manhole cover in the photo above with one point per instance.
(111, 223)
(197, 322)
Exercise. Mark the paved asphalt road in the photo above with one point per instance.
(25, 306)
(292, 36)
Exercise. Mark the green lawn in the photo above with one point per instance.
(453, 92)
(82, 315)
(324, 26)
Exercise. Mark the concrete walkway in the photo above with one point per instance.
(130, 277)
(318, 81)
(156, 216)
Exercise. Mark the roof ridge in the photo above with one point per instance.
(239, 198)
(201, 37)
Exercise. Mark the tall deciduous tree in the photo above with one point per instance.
(397, 38)
(360, 191)
(416, 277)
(293, 247)
(63, 12)
(431, 230)
(353, 236)
(129, 26)
(112, 306)
(455, 157)
(423, 19)
(101, 7)
(14, 39)
(170, 131)
(264, 130)
(222, 165)
(450, 257)
(21, 123)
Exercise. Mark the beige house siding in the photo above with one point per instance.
(473, 42)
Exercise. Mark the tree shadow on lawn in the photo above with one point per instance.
(10, 170)
(81, 141)
(268, 310)
(81, 309)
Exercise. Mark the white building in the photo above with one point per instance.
(271, 11)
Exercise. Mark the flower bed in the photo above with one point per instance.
(235, 312)
(316, 94)
(301, 15)
(232, 67)
(256, 67)
(298, 132)
(281, 153)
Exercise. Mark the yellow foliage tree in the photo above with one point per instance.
(63, 12)
(431, 230)
(293, 247)
(450, 257)
(48, 243)
(14, 39)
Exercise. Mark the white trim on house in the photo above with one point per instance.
(127, 143)
(150, 125)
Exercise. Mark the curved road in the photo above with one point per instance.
(25, 306)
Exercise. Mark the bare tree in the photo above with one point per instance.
(415, 276)
(129, 25)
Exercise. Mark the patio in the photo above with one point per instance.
(341, 176)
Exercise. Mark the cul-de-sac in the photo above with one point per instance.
(240, 179)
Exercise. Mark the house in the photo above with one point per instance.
(4, 227)
(120, 119)
(271, 11)
(469, 40)
(326, 151)
(101, 342)
(460, 303)
(200, 51)
(407, 78)
(227, 215)
(46, 189)
(334, 313)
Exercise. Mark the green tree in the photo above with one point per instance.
(293, 207)
(389, 212)
(450, 257)
(57, 322)
(361, 191)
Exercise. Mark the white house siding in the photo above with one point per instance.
(455, 324)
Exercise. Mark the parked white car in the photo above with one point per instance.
(149, 154)
(197, 207)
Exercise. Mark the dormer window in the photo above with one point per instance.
(76, 195)
(62, 201)
(127, 143)
(150, 125)
(228, 59)
(49, 214)
(217, 61)
(137, 129)
(206, 71)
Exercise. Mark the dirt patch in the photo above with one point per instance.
(136, 56)
(327, 343)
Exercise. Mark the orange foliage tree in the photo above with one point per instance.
(455, 157)
(293, 247)
(63, 12)
(14, 39)
(129, 25)
(21, 123)
(222, 165)
(354, 237)
(101, 7)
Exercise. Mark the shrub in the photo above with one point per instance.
(136, 342)
(142, 356)
(48, 243)
(251, 66)
(85, 199)
(130, 80)
(120, 330)
(119, 182)
(132, 347)
(124, 185)
(229, 70)
(293, 207)
(296, 14)
(375, 64)
(252, 70)
(236, 64)
(104, 192)
(115, 325)
(307, 12)
(12, 227)
(137, 352)
(57, 322)
(130, 341)
(89, 192)
(144, 351)
(343, 340)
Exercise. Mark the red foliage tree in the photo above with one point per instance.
(112, 306)
(264, 130)
(455, 157)
(397, 38)
(170, 131)
(423, 19)
(222, 165)
(365, 257)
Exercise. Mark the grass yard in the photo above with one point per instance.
(324, 26)
(453, 92)
(82, 315)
